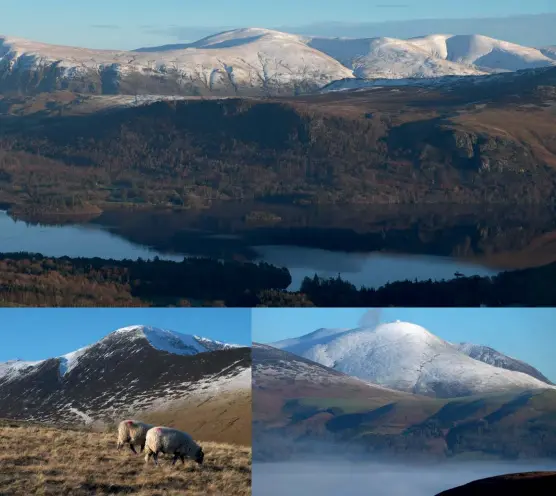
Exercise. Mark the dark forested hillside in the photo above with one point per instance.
(376, 146)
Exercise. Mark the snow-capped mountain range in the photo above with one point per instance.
(407, 357)
(254, 61)
(134, 369)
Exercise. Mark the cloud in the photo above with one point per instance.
(105, 26)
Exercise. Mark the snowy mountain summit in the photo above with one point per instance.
(407, 357)
(174, 342)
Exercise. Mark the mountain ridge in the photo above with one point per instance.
(122, 374)
(407, 357)
(255, 61)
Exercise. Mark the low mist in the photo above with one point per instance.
(327, 477)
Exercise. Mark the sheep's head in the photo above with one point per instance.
(200, 456)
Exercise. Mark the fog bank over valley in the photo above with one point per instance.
(326, 477)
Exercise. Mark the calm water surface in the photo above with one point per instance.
(369, 269)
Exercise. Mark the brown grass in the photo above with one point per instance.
(225, 418)
(50, 461)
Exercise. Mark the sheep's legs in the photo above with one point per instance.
(148, 457)
(176, 456)
(142, 447)
(132, 448)
(155, 457)
(182, 459)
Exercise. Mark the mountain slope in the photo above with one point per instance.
(492, 357)
(407, 357)
(301, 407)
(549, 51)
(133, 370)
(281, 378)
(269, 61)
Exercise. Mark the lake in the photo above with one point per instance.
(365, 249)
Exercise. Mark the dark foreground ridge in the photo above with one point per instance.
(530, 483)
(35, 280)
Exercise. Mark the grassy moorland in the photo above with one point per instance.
(53, 461)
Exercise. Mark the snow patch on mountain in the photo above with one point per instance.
(87, 419)
(409, 358)
(69, 361)
(13, 369)
(228, 380)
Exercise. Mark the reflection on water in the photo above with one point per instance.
(369, 269)
(86, 240)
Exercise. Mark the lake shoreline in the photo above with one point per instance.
(65, 281)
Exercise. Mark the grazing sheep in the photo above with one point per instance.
(132, 432)
(172, 442)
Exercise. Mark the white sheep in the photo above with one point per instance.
(172, 442)
(132, 432)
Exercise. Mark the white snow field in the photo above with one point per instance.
(407, 357)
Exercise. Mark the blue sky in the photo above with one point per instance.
(132, 23)
(35, 334)
(528, 334)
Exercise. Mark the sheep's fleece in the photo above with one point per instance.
(172, 442)
(132, 432)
